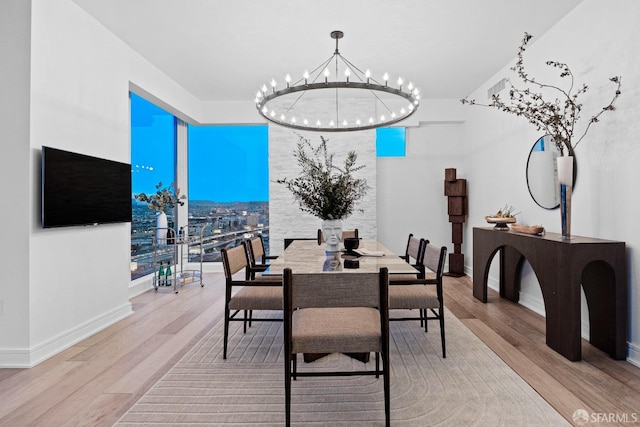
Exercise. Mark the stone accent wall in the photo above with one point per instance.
(285, 217)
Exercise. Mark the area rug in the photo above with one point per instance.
(471, 387)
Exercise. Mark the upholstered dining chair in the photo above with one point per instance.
(345, 235)
(423, 293)
(336, 313)
(258, 259)
(246, 295)
(414, 254)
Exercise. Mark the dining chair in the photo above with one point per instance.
(258, 259)
(246, 295)
(345, 234)
(336, 313)
(414, 254)
(423, 293)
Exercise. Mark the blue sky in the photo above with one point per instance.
(226, 163)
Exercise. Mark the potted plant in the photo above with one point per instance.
(324, 189)
(163, 199)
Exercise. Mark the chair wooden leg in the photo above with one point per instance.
(295, 366)
(226, 331)
(387, 389)
(426, 323)
(287, 389)
(377, 365)
(444, 349)
(250, 317)
(244, 323)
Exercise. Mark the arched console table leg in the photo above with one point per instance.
(561, 267)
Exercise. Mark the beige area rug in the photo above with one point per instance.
(471, 387)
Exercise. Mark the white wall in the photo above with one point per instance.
(65, 284)
(597, 40)
(15, 37)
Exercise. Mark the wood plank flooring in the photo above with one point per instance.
(94, 382)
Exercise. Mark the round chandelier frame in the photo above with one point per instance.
(278, 105)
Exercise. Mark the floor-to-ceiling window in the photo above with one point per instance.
(153, 161)
(228, 170)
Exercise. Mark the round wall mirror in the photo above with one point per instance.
(542, 173)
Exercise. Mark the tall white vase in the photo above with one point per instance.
(565, 179)
(332, 234)
(161, 228)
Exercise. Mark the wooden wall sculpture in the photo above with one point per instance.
(456, 192)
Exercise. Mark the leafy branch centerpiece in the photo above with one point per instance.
(557, 117)
(164, 198)
(324, 189)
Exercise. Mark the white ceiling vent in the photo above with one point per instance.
(496, 88)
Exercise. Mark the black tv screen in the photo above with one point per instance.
(83, 190)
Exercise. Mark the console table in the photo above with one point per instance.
(561, 266)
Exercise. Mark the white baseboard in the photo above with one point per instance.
(634, 354)
(30, 357)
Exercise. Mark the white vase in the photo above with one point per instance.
(565, 180)
(332, 234)
(161, 228)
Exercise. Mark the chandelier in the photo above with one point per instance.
(326, 91)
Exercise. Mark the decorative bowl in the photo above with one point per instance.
(500, 222)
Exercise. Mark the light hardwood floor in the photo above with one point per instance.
(94, 382)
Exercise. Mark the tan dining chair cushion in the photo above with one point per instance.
(257, 298)
(336, 329)
(413, 297)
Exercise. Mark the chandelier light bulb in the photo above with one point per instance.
(382, 119)
(410, 87)
(287, 79)
(318, 123)
(264, 88)
(273, 85)
(367, 74)
(385, 78)
(331, 124)
(306, 122)
(306, 76)
(273, 113)
(347, 73)
(370, 120)
(403, 111)
(393, 115)
(282, 117)
(265, 110)
(326, 74)
(293, 119)
(344, 123)
(358, 122)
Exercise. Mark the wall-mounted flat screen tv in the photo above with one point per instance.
(83, 190)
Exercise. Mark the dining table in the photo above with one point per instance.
(308, 257)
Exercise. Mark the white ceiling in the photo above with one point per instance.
(225, 50)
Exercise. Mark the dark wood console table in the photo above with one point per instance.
(561, 266)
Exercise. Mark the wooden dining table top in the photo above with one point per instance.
(307, 257)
